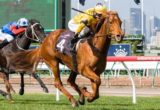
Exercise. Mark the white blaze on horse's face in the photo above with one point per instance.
(115, 26)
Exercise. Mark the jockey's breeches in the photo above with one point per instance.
(6, 36)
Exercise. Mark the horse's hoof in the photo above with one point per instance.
(13, 91)
(11, 101)
(81, 100)
(8, 97)
(45, 90)
(75, 104)
(21, 92)
(91, 99)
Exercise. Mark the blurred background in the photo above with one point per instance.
(141, 22)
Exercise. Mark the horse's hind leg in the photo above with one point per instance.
(3, 76)
(4, 94)
(45, 89)
(72, 83)
(21, 91)
(8, 86)
(95, 81)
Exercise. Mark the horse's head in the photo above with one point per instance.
(114, 26)
(35, 31)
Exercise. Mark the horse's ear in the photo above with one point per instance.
(32, 21)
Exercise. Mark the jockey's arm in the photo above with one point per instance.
(80, 27)
(85, 21)
(16, 30)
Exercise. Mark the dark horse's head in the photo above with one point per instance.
(35, 31)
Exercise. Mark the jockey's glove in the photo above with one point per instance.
(96, 15)
(85, 21)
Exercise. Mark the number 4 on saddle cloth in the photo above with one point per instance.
(64, 44)
(67, 42)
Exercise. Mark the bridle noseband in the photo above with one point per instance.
(34, 35)
(26, 35)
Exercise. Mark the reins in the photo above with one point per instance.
(96, 36)
(20, 48)
(107, 33)
(33, 34)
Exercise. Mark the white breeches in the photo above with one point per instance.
(6, 36)
(72, 26)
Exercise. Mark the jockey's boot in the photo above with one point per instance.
(4, 43)
(73, 43)
(84, 33)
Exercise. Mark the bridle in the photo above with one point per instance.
(34, 35)
(108, 29)
(35, 38)
(107, 33)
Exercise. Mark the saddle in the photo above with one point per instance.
(66, 46)
(63, 44)
(67, 41)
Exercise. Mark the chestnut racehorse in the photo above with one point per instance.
(91, 57)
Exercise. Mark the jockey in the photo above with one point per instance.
(9, 31)
(80, 22)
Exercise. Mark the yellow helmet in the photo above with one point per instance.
(100, 8)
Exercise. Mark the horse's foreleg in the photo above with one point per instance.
(45, 89)
(95, 81)
(72, 83)
(54, 66)
(21, 91)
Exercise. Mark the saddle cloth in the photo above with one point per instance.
(63, 44)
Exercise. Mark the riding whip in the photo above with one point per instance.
(81, 11)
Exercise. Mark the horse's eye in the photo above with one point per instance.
(40, 27)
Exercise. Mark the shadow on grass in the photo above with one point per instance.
(40, 102)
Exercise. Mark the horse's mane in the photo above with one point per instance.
(95, 27)
(20, 35)
(32, 21)
(99, 24)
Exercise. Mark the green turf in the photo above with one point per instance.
(47, 102)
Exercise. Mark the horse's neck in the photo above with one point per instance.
(101, 41)
(24, 42)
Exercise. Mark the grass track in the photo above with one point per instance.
(47, 102)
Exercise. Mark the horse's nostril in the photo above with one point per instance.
(118, 35)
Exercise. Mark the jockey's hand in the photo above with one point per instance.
(84, 22)
(97, 16)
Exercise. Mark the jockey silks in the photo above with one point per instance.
(7, 28)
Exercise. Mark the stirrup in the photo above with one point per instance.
(73, 48)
